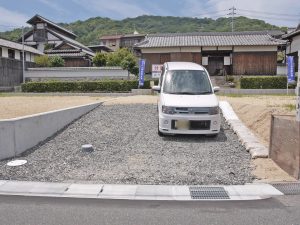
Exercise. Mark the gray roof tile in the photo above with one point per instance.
(209, 39)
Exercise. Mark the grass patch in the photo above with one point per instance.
(290, 107)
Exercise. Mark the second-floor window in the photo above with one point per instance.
(11, 53)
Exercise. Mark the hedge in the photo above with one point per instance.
(264, 82)
(84, 86)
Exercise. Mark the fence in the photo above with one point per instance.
(75, 73)
(285, 144)
(11, 72)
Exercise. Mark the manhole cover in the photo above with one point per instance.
(208, 193)
(288, 188)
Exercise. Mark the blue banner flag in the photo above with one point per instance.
(141, 72)
(291, 69)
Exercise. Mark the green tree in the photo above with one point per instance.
(100, 59)
(57, 61)
(42, 61)
(124, 58)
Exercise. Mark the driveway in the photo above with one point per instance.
(129, 151)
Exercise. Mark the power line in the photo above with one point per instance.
(270, 13)
(265, 17)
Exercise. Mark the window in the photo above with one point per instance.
(186, 82)
(11, 53)
(0, 52)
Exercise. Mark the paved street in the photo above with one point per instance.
(15, 210)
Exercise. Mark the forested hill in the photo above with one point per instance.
(90, 30)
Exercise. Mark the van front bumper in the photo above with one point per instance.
(193, 124)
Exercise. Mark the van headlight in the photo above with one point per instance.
(214, 110)
(168, 109)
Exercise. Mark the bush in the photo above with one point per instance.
(84, 86)
(124, 58)
(42, 61)
(264, 82)
(56, 61)
(100, 59)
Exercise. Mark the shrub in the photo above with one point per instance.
(42, 61)
(100, 59)
(84, 86)
(264, 82)
(56, 61)
(124, 58)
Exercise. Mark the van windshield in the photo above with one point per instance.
(191, 82)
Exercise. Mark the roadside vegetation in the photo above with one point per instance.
(89, 30)
(46, 61)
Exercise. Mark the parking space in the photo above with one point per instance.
(129, 151)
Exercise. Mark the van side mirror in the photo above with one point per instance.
(216, 89)
(156, 88)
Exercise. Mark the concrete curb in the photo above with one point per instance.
(131, 192)
(247, 138)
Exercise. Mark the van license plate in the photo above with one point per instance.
(182, 125)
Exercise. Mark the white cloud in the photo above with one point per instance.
(112, 7)
(53, 5)
(264, 9)
(11, 19)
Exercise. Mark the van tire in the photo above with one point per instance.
(212, 135)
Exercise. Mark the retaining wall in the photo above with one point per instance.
(256, 91)
(75, 73)
(20, 134)
(285, 144)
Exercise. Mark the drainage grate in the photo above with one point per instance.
(208, 193)
(288, 188)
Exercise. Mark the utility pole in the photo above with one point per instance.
(232, 13)
(23, 54)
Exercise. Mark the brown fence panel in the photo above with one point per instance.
(11, 72)
(285, 144)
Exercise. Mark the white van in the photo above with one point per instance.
(187, 103)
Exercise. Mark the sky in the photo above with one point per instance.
(15, 13)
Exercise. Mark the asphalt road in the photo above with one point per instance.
(15, 210)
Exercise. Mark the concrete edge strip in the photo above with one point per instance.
(130, 192)
(246, 137)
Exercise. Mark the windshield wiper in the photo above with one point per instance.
(190, 93)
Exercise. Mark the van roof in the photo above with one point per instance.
(183, 66)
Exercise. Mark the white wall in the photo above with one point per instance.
(295, 45)
(20, 134)
(4, 52)
(66, 73)
(17, 55)
(255, 49)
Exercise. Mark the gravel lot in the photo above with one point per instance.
(128, 150)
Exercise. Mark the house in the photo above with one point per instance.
(111, 41)
(11, 68)
(100, 48)
(116, 42)
(52, 39)
(293, 46)
(236, 53)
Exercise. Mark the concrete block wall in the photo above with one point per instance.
(20, 134)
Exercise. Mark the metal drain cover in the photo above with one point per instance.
(208, 193)
(288, 188)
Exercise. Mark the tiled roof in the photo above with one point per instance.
(209, 39)
(18, 46)
(66, 52)
(293, 33)
(31, 21)
(72, 42)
